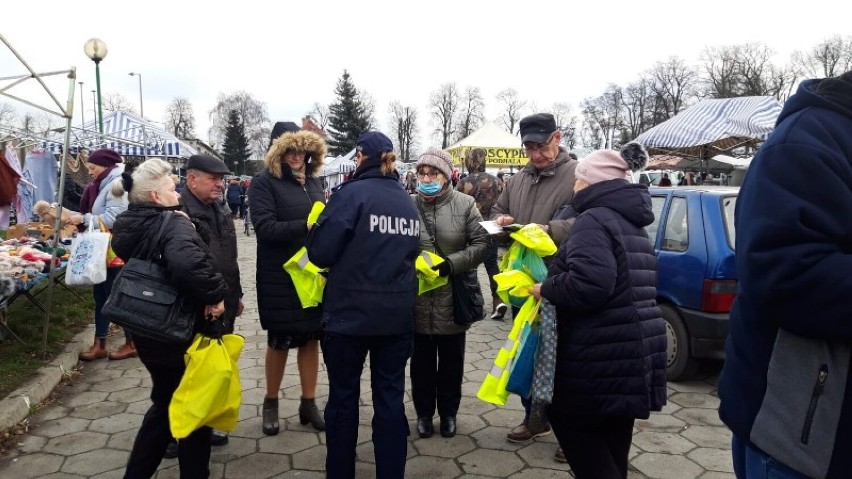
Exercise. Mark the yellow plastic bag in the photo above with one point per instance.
(534, 238)
(316, 211)
(209, 393)
(306, 278)
(428, 278)
(493, 388)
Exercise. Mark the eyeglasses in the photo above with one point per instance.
(533, 147)
(432, 175)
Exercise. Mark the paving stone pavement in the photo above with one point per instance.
(89, 430)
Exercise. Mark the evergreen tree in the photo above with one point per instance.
(236, 149)
(348, 117)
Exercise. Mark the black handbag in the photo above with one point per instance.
(145, 302)
(468, 303)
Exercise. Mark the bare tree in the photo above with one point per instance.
(828, 58)
(8, 115)
(369, 104)
(180, 119)
(253, 115)
(513, 108)
(320, 115)
(603, 114)
(38, 123)
(113, 102)
(403, 126)
(470, 112)
(637, 101)
(745, 70)
(566, 123)
(673, 85)
(443, 108)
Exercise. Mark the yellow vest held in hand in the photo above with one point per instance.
(428, 278)
(306, 278)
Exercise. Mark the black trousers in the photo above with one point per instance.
(595, 446)
(344, 357)
(154, 434)
(437, 370)
(491, 266)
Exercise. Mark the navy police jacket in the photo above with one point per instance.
(368, 235)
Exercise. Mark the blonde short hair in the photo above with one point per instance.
(147, 177)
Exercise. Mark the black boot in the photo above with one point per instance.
(309, 413)
(425, 427)
(270, 416)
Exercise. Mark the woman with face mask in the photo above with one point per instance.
(450, 219)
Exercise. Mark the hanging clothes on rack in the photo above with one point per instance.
(76, 179)
(40, 170)
(12, 170)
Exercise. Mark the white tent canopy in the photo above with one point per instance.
(502, 148)
(736, 162)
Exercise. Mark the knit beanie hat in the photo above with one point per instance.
(104, 157)
(603, 165)
(280, 128)
(438, 159)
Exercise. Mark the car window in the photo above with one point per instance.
(676, 233)
(657, 204)
(729, 204)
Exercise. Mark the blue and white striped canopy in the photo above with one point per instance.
(719, 124)
(124, 133)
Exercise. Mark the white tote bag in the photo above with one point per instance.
(88, 259)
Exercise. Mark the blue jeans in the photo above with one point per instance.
(344, 357)
(752, 463)
(101, 292)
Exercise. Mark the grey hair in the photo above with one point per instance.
(147, 177)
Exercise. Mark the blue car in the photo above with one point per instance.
(693, 235)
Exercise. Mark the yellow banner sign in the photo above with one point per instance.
(494, 157)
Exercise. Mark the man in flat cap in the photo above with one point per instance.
(201, 200)
(533, 195)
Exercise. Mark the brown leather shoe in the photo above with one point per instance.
(522, 433)
(128, 350)
(97, 351)
(559, 456)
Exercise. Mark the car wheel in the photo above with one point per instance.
(680, 365)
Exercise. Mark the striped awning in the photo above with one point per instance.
(714, 126)
(127, 134)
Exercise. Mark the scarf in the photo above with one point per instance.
(90, 194)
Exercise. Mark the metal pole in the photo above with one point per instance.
(82, 106)
(100, 107)
(142, 114)
(57, 228)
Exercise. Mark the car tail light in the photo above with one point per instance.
(717, 296)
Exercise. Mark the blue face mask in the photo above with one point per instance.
(429, 189)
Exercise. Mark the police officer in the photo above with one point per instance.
(368, 236)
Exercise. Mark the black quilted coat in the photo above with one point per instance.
(279, 208)
(611, 348)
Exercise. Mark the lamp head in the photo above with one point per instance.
(95, 49)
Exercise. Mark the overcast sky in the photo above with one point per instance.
(291, 54)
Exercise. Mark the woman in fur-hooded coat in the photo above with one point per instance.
(281, 198)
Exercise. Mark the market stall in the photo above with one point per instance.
(502, 149)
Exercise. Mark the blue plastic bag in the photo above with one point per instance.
(520, 378)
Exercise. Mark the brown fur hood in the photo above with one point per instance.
(312, 144)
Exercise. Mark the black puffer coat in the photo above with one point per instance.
(279, 212)
(186, 259)
(611, 352)
(218, 233)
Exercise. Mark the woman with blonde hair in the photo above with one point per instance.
(281, 198)
(151, 191)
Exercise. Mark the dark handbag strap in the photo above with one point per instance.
(429, 230)
(154, 246)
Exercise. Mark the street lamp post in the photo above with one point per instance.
(82, 106)
(142, 114)
(96, 50)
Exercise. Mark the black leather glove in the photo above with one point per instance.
(445, 268)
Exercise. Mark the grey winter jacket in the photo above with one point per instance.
(531, 196)
(454, 220)
(107, 206)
